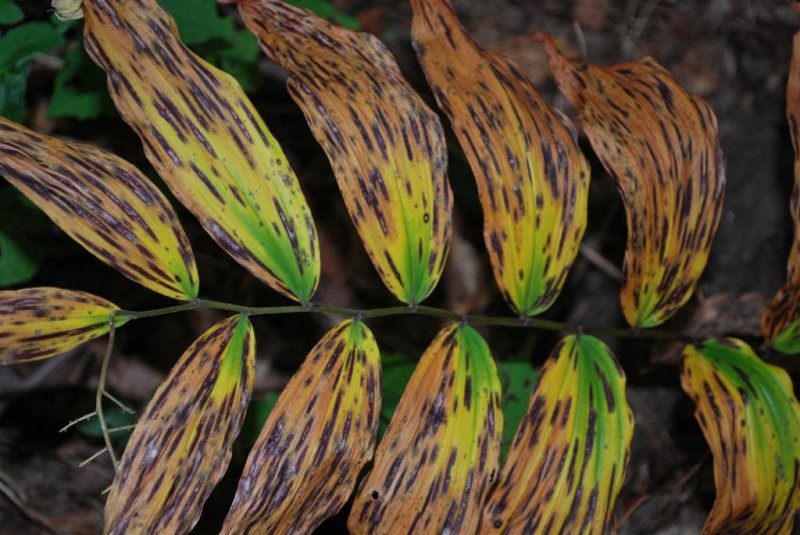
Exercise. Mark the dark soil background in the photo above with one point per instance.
(734, 53)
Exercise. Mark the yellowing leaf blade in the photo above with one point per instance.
(568, 459)
(439, 456)
(781, 320)
(661, 145)
(105, 204)
(38, 323)
(181, 445)
(751, 420)
(207, 142)
(316, 440)
(385, 145)
(533, 181)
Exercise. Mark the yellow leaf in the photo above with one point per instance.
(439, 456)
(207, 142)
(105, 204)
(181, 445)
(532, 179)
(568, 459)
(316, 440)
(385, 145)
(37, 323)
(751, 420)
(661, 145)
(781, 320)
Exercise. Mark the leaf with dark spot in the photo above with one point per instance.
(781, 320)
(38, 323)
(181, 445)
(532, 179)
(439, 456)
(751, 420)
(207, 142)
(569, 457)
(661, 145)
(105, 204)
(386, 147)
(318, 437)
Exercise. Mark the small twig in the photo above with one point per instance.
(93, 457)
(77, 421)
(119, 404)
(600, 262)
(638, 26)
(576, 27)
(121, 428)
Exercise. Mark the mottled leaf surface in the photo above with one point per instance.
(661, 145)
(569, 457)
(751, 420)
(105, 204)
(386, 147)
(533, 181)
(316, 440)
(182, 444)
(439, 456)
(781, 320)
(37, 323)
(207, 142)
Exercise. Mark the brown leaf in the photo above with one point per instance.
(181, 445)
(316, 440)
(533, 181)
(661, 145)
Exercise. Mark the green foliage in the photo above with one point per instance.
(517, 379)
(115, 417)
(217, 39)
(257, 414)
(21, 227)
(397, 370)
(10, 13)
(79, 89)
(17, 47)
(326, 10)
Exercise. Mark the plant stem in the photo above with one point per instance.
(419, 310)
(101, 390)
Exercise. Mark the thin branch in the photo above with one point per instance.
(119, 404)
(77, 421)
(419, 310)
(101, 390)
(93, 457)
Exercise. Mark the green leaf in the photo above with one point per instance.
(80, 89)
(10, 13)
(257, 414)
(517, 380)
(21, 226)
(16, 48)
(217, 40)
(114, 417)
(397, 370)
(20, 43)
(326, 10)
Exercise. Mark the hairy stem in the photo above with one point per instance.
(419, 310)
